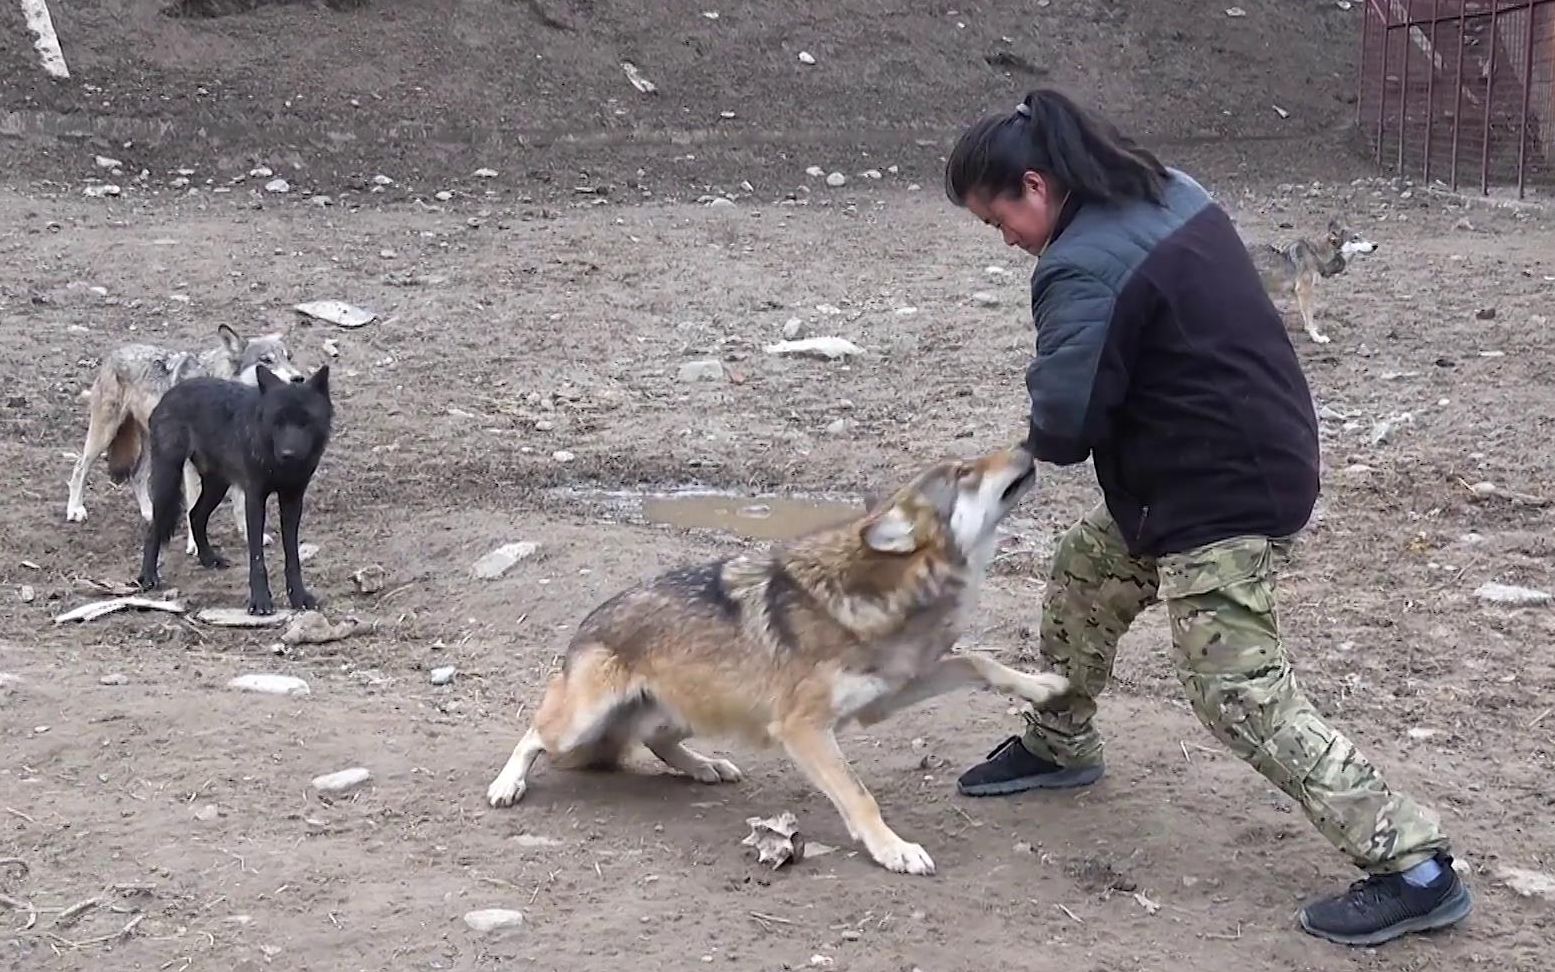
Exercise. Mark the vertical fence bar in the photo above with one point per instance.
(1382, 87)
(1403, 88)
(1430, 91)
(1490, 103)
(1531, 12)
(1360, 80)
(1457, 108)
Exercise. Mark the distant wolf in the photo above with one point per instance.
(1295, 267)
(130, 382)
(264, 438)
(849, 623)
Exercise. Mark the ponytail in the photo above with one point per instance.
(1050, 134)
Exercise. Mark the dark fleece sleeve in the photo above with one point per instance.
(1071, 389)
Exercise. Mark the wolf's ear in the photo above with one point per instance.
(891, 532)
(319, 381)
(232, 341)
(266, 378)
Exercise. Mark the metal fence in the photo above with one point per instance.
(1460, 92)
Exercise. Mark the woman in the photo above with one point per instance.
(1160, 357)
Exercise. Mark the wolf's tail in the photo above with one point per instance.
(126, 449)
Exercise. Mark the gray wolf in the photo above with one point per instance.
(266, 438)
(1294, 268)
(130, 382)
(851, 623)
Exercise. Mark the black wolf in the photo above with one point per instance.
(265, 439)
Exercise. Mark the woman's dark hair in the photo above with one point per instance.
(1048, 133)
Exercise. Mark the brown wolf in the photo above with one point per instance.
(849, 623)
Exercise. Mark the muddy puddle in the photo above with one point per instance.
(757, 518)
(753, 517)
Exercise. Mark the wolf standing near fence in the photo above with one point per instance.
(1160, 357)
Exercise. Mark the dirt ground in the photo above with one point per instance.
(523, 383)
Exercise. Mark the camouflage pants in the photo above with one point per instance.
(1226, 649)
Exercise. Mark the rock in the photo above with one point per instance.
(344, 781)
(1331, 414)
(489, 920)
(1483, 489)
(708, 369)
(443, 196)
(306, 552)
(336, 312)
(822, 962)
(207, 813)
(815, 172)
(1382, 433)
(444, 674)
(984, 298)
(278, 185)
(370, 579)
(836, 180)
(27, 594)
(486, 173)
(1463, 224)
(837, 426)
(312, 628)
(805, 57)
(776, 839)
(534, 840)
(1528, 884)
(1421, 733)
(98, 192)
(501, 560)
(240, 618)
(322, 201)
(261, 172)
(720, 202)
(1485, 314)
(270, 684)
(1507, 595)
(871, 174)
(382, 180)
(791, 328)
(104, 162)
(115, 678)
(563, 456)
(830, 348)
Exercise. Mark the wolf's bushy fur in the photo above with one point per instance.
(264, 439)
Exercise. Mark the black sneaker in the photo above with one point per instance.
(1385, 906)
(1012, 768)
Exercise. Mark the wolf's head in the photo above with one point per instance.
(245, 355)
(956, 503)
(294, 417)
(1347, 242)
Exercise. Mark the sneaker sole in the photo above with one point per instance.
(1065, 780)
(1449, 912)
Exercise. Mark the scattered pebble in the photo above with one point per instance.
(382, 180)
(720, 202)
(115, 678)
(1508, 595)
(27, 594)
(534, 840)
(485, 173)
(1485, 314)
(444, 675)
(707, 369)
(563, 456)
(791, 328)
(344, 781)
(493, 919)
(805, 57)
(278, 185)
(815, 172)
(836, 180)
(104, 162)
(501, 560)
(830, 348)
(261, 172)
(97, 192)
(1529, 884)
(1420, 733)
(270, 684)
(871, 174)
(207, 813)
(984, 298)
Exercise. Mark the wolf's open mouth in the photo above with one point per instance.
(1012, 490)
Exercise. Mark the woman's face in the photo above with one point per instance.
(1025, 220)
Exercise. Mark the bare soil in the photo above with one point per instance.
(513, 329)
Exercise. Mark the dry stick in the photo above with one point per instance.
(1076, 918)
(73, 913)
(17, 813)
(1534, 722)
(1225, 938)
(6, 901)
(774, 919)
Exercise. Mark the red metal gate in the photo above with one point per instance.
(1460, 90)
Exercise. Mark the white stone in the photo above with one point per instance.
(342, 782)
(1529, 884)
(836, 180)
(984, 298)
(1508, 595)
(501, 560)
(830, 348)
(708, 369)
(270, 684)
(278, 185)
(485, 173)
(805, 57)
(491, 919)
(791, 328)
(444, 675)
